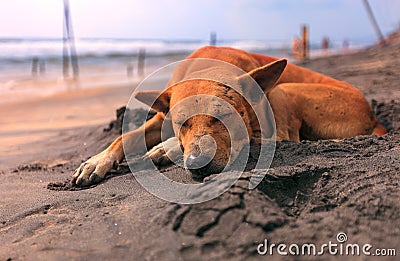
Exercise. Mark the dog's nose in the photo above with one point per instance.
(196, 162)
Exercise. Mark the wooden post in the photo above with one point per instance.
(65, 59)
(374, 22)
(69, 50)
(65, 42)
(213, 38)
(141, 60)
(74, 55)
(304, 42)
(35, 62)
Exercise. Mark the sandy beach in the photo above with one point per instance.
(27, 122)
(312, 192)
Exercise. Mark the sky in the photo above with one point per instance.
(195, 19)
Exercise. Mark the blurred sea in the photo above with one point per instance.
(104, 62)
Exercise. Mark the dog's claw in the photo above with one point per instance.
(93, 170)
(94, 178)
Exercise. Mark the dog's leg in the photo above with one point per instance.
(94, 169)
(166, 152)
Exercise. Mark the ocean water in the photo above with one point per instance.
(102, 62)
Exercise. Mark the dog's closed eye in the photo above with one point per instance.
(224, 115)
(220, 117)
(182, 122)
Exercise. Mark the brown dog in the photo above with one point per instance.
(306, 105)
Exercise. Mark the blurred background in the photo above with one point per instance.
(121, 41)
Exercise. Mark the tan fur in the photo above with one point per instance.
(305, 104)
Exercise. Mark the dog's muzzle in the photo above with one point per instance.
(197, 162)
(200, 160)
(201, 166)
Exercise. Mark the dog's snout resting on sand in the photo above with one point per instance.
(305, 104)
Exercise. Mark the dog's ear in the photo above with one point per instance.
(266, 76)
(157, 100)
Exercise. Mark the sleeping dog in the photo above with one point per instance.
(305, 105)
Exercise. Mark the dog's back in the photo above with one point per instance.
(249, 61)
(292, 74)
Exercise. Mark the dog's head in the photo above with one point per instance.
(202, 111)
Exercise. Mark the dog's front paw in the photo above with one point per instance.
(94, 169)
(165, 152)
